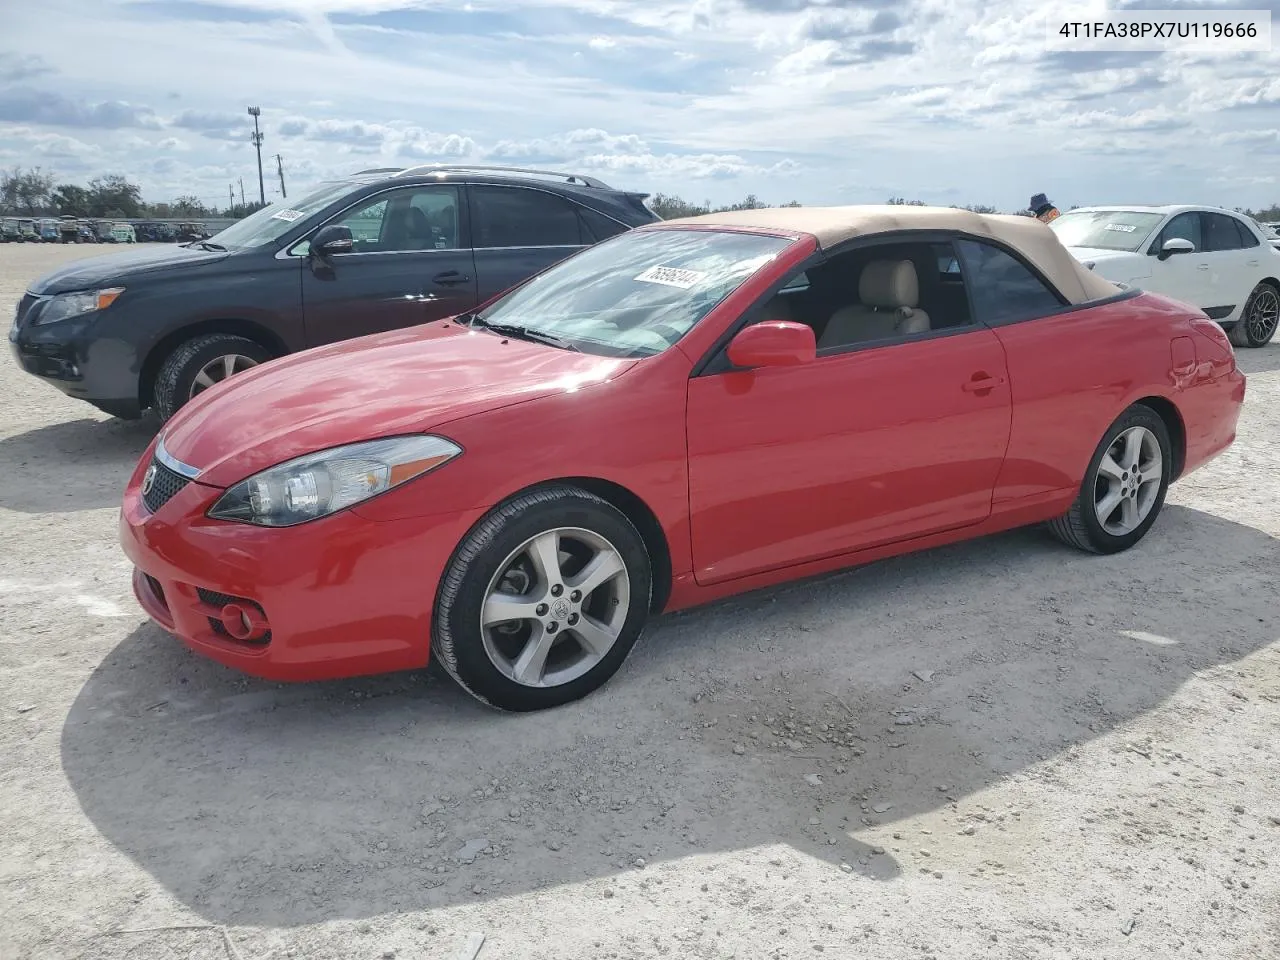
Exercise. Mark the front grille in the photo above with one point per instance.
(165, 485)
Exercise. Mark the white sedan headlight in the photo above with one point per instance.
(67, 305)
(322, 483)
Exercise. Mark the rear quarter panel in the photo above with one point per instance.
(1071, 375)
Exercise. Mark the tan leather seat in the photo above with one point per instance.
(777, 308)
(889, 291)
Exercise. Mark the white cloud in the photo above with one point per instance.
(943, 99)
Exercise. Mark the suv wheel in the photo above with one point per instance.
(199, 363)
(1258, 319)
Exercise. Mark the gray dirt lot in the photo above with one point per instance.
(998, 749)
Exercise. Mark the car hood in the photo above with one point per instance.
(119, 267)
(1115, 265)
(392, 383)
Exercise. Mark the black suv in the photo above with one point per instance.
(380, 250)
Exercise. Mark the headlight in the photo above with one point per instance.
(67, 305)
(322, 483)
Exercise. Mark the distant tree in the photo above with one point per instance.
(114, 196)
(71, 199)
(161, 211)
(189, 206)
(976, 208)
(900, 202)
(25, 191)
(241, 210)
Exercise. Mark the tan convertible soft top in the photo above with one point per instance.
(833, 225)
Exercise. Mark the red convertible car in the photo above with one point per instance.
(689, 410)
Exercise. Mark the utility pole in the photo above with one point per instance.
(280, 167)
(231, 197)
(256, 112)
(242, 191)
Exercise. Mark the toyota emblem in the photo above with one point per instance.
(148, 479)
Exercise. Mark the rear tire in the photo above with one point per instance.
(542, 642)
(1117, 504)
(178, 376)
(1258, 318)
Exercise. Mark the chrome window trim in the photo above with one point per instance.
(174, 464)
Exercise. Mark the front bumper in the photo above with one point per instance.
(342, 596)
(74, 358)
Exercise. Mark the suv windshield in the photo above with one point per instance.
(637, 294)
(273, 221)
(1105, 229)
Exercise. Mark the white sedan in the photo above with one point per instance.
(1209, 257)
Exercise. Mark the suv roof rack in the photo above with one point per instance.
(363, 173)
(530, 171)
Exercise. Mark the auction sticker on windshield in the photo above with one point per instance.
(287, 215)
(1121, 227)
(672, 277)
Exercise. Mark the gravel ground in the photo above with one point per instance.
(998, 749)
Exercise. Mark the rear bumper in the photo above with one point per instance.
(342, 596)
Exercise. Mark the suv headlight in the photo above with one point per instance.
(67, 305)
(322, 483)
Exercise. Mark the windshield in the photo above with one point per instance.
(272, 222)
(1105, 229)
(637, 294)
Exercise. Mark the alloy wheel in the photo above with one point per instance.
(1264, 314)
(218, 369)
(555, 608)
(1127, 481)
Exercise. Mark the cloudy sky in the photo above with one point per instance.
(838, 101)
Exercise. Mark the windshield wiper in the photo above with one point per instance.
(210, 245)
(522, 333)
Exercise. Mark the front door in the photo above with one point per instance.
(1182, 276)
(846, 452)
(411, 264)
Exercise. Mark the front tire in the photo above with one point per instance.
(1124, 487)
(543, 600)
(201, 362)
(1258, 318)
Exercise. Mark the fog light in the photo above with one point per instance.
(243, 622)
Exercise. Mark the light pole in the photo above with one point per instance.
(256, 112)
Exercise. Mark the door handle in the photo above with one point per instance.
(1203, 266)
(1251, 263)
(980, 383)
(450, 278)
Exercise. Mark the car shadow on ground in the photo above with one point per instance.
(1259, 360)
(36, 476)
(767, 725)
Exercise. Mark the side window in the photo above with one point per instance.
(518, 217)
(365, 225)
(1220, 233)
(1185, 226)
(1247, 237)
(420, 218)
(597, 227)
(1002, 288)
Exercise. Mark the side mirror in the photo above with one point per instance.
(1176, 245)
(773, 343)
(330, 240)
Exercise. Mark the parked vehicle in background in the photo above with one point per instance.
(1210, 257)
(374, 252)
(191, 232)
(48, 230)
(1271, 231)
(685, 412)
(9, 230)
(86, 234)
(27, 231)
(102, 230)
(123, 233)
(68, 229)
